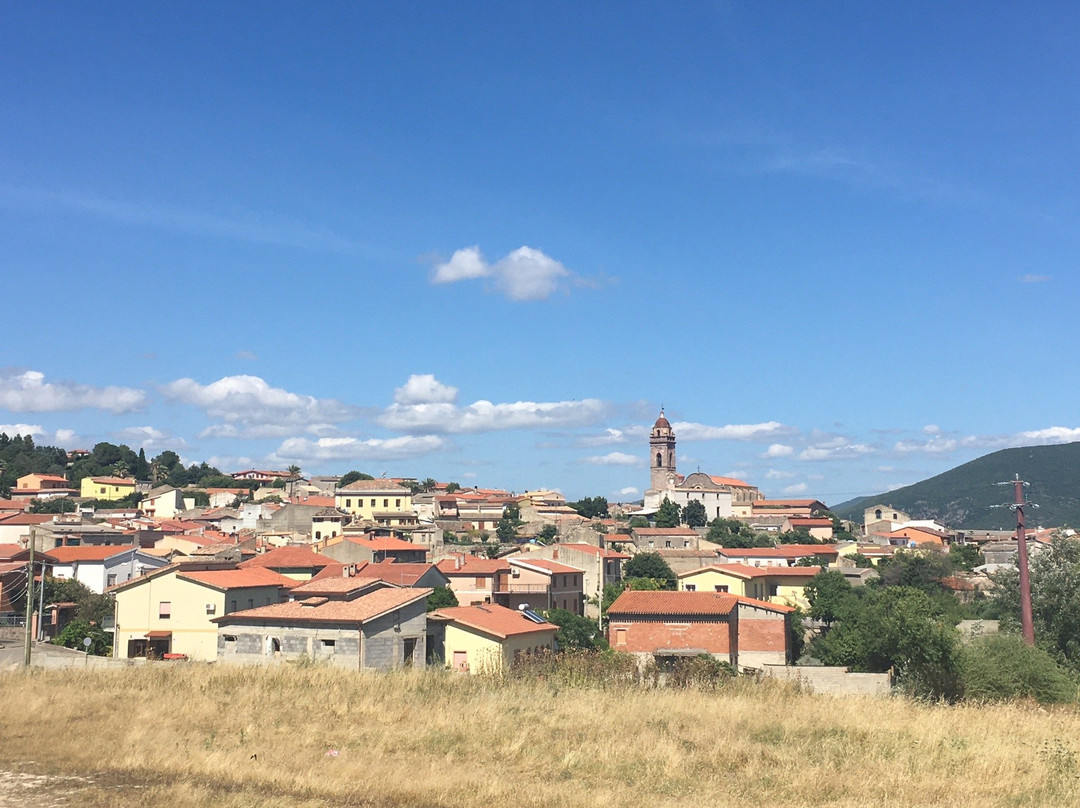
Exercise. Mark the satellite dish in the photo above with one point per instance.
(87, 642)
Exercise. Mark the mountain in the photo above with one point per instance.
(963, 497)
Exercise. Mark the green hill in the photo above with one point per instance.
(963, 497)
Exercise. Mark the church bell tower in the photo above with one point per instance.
(661, 454)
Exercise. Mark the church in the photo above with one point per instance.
(723, 497)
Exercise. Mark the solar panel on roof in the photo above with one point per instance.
(531, 615)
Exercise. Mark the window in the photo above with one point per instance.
(101, 490)
(773, 590)
(667, 544)
(232, 605)
(397, 502)
(164, 610)
(721, 588)
(386, 503)
(251, 603)
(348, 503)
(372, 503)
(229, 638)
(480, 582)
(327, 643)
(620, 636)
(691, 587)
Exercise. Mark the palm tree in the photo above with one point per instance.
(294, 476)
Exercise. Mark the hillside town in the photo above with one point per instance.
(377, 573)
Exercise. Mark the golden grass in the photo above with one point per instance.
(199, 735)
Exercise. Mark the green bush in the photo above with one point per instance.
(702, 672)
(1002, 666)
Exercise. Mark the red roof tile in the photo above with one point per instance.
(684, 604)
(783, 551)
(88, 552)
(237, 578)
(395, 572)
(290, 556)
(745, 571)
(544, 564)
(322, 610)
(472, 565)
(494, 620)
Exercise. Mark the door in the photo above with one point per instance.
(461, 661)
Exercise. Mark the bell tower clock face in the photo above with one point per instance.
(671, 479)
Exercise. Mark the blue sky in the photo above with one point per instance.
(485, 242)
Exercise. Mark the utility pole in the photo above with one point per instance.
(1027, 627)
(29, 596)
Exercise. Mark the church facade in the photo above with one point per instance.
(723, 497)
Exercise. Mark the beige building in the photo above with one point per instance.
(171, 610)
(365, 498)
(489, 638)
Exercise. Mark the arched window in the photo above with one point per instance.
(877, 513)
(659, 460)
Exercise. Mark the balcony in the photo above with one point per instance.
(511, 586)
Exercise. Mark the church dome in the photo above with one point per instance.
(661, 422)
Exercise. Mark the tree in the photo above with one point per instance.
(897, 628)
(694, 514)
(506, 531)
(733, 533)
(965, 556)
(830, 595)
(428, 484)
(513, 513)
(441, 597)
(89, 606)
(54, 505)
(591, 507)
(921, 570)
(638, 521)
(667, 515)
(352, 477)
(575, 632)
(452, 487)
(294, 477)
(1002, 666)
(547, 534)
(650, 565)
(78, 630)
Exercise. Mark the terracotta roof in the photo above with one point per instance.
(375, 485)
(322, 610)
(810, 521)
(640, 602)
(730, 481)
(335, 586)
(114, 480)
(665, 531)
(662, 421)
(88, 552)
(544, 564)
(289, 556)
(492, 619)
(8, 551)
(746, 571)
(472, 565)
(783, 551)
(22, 518)
(784, 503)
(395, 572)
(237, 578)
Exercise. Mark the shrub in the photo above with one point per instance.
(1002, 666)
(704, 672)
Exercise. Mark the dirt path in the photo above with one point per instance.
(22, 790)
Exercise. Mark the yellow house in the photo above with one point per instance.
(489, 638)
(169, 611)
(106, 487)
(364, 499)
(783, 586)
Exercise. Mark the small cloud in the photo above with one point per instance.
(425, 389)
(28, 391)
(248, 356)
(1034, 278)
(691, 431)
(798, 488)
(608, 437)
(629, 491)
(614, 459)
(1054, 434)
(931, 429)
(779, 450)
(838, 448)
(523, 275)
(776, 474)
(148, 437)
(347, 448)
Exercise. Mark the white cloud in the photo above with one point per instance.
(64, 438)
(798, 488)
(463, 265)
(628, 491)
(776, 474)
(837, 448)
(29, 392)
(1054, 434)
(690, 431)
(347, 448)
(485, 416)
(425, 389)
(524, 274)
(779, 450)
(614, 459)
(148, 437)
(251, 408)
(936, 445)
(608, 437)
(11, 430)
(931, 429)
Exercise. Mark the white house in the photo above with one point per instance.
(100, 566)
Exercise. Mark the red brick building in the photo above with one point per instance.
(747, 633)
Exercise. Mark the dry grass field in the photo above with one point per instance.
(197, 735)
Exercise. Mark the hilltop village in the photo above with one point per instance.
(268, 566)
